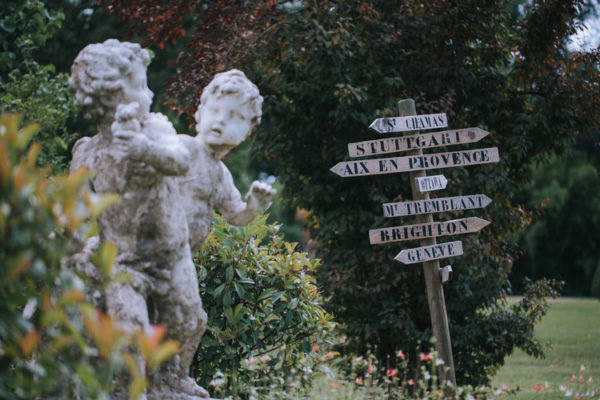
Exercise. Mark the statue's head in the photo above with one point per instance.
(107, 74)
(230, 107)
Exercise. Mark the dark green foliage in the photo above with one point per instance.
(342, 64)
(264, 312)
(328, 68)
(562, 240)
(30, 88)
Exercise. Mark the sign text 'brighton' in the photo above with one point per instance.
(428, 230)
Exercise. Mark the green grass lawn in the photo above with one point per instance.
(573, 328)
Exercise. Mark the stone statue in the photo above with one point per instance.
(138, 155)
(230, 107)
(167, 183)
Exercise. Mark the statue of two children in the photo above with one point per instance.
(168, 186)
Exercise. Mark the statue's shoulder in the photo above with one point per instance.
(80, 144)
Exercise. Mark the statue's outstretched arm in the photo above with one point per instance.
(231, 206)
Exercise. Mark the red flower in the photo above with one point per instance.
(581, 378)
(411, 382)
(425, 357)
(315, 347)
(391, 372)
(400, 355)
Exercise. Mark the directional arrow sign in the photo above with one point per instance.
(441, 204)
(412, 142)
(416, 163)
(431, 229)
(411, 123)
(428, 253)
(431, 183)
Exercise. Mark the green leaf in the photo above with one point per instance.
(306, 347)
(227, 298)
(277, 296)
(238, 313)
(293, 303)
(219, 289)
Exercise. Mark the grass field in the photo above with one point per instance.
(573, 328)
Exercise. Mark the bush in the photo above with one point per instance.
(53, 343)
(30, 88)
(264, 311)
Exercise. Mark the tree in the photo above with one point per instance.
(328, 68)
(32, 88)
(560, 242)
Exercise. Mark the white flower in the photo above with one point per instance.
(439, 361)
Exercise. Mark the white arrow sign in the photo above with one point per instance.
(416, 163)
(428, 253)
(440, 204)
(412, 123)
(415, 142)
(431, 183)
(431, 229)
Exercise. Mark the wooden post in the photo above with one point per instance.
(433, 284)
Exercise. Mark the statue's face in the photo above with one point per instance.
(224, 122)
(136, 89)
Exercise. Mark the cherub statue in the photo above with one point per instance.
(230, 107)
(138, 155)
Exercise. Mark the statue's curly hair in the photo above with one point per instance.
(233, 82)
(100, 72)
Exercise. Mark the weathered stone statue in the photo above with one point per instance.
(230, 108)
(166, 183)
(138, 155)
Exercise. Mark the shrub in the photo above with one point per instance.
(264, 311)
(53, 343)
(27, 87)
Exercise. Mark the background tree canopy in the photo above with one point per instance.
(327, 69)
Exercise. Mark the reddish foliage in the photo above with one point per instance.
(223, 34)
(159, 21)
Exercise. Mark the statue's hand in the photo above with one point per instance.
(259, 196)
(129, 144)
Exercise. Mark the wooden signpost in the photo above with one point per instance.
(441, 204)
(422, 207)
(417, 162)
(428, 253)
(412, 142)
(431, 183)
